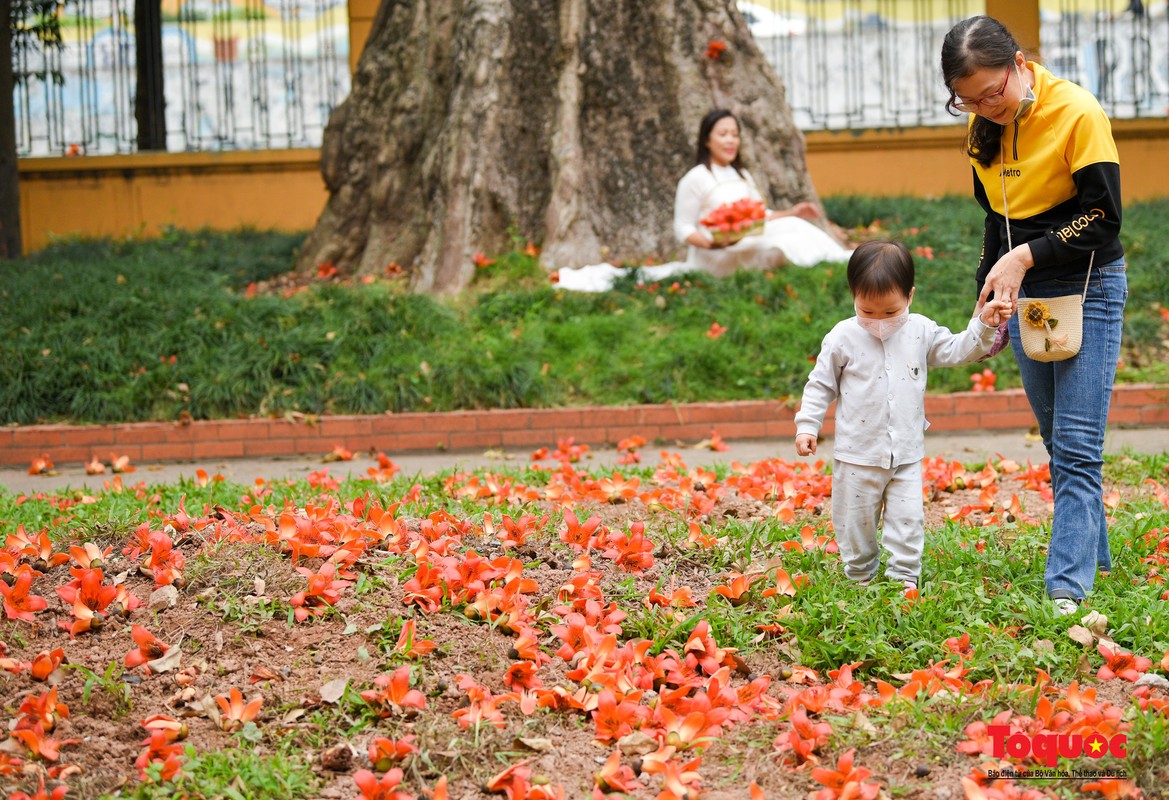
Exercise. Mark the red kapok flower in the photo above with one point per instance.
(1121, 664)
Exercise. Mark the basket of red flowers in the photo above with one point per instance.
(731, 222)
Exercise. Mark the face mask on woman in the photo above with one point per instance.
(1028, 96)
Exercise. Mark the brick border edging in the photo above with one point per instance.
(1132, 405)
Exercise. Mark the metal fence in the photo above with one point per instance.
(245, 74)
(849, 64)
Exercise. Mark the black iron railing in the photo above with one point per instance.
(223, 76)
(247, 74)
(875, 63)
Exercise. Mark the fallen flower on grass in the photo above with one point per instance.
(512, 782)
(677, 598)
(39, 550)
(41, 710)
(1113, 789)
(384, 789)
(46, 663)
(150, 648)
(409, 645)
(393, 693)
(161, 753)
(173, 730)
(41, 793)
(163, 562)
(846, 781)
(959, 645)
(88, 556)
(522, 675)
(384, 753)
(614, 776)
(737, 588)
(785, 584)
(234, 712)
(39, 745)
(715, 330)
(89, 598)
(579, 535)
(323, 590)
(1121, 664)
(631, 552)
(804, 738)
(19, 602)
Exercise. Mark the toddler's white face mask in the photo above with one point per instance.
(884, 328)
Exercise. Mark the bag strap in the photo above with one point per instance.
(1007, 217)
(1088, 277)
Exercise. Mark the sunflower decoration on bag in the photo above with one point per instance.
(1038, 315)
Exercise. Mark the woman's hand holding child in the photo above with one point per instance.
(995, 312)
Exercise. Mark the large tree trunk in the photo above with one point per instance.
(567, 122)
(10, 242)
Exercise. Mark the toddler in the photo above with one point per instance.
(874, 366)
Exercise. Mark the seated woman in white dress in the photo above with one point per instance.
(719, 178)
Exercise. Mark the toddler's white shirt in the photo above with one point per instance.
(880, 386)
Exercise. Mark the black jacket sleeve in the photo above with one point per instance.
(1093, 221)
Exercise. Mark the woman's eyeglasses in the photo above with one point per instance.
(993, 100)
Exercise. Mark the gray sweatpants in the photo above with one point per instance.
(860, 495)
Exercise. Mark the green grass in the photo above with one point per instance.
(103, 331)
(238, 773)
(983, 581)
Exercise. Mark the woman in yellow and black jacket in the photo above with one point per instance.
(1047, 174)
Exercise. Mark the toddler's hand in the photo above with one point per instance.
(805, 444)
(996, 312)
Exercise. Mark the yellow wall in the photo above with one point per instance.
(142, 194)
(361, 14)
(929, 162)
(282, 189)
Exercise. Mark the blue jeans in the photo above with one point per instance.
(1070, 400)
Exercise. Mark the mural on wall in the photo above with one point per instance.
(237, 74)
(247, 74)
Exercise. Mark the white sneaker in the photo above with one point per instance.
(1065, 606)
(908, 585)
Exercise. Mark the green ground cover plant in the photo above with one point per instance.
(104, 331)
(503, 633)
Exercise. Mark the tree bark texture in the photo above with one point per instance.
(563, 122)
(10, 240)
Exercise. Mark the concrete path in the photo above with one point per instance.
(969, 448)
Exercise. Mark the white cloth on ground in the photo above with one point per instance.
(783, 240)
